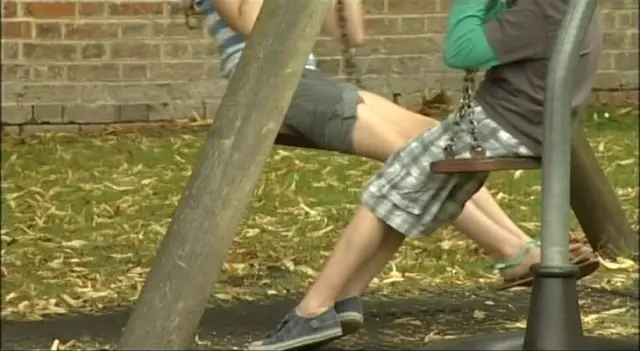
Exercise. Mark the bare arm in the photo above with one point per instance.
(354, 15)
(241, 15)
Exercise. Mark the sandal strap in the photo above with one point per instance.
(517, 259)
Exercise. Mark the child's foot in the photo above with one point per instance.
(296, 332)
(517, 271)
(350, 314)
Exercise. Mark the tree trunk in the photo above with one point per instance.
(596, 204)
(220, 187)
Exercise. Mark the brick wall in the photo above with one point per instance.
(89, 62)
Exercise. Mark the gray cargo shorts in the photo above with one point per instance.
(408, 197)
(324, 111)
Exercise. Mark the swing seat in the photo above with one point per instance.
(288, 136)
(486, 164)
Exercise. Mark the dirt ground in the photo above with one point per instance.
(391, 323)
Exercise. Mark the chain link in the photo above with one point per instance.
(350, 67)
(464, 115)
(464, 112)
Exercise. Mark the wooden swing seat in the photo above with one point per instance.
(487, 164)
(288, 136)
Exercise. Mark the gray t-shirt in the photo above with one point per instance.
(523, 37)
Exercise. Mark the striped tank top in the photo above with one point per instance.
(230, 43)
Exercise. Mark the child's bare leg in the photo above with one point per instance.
(382, 128)
(357, 285)
(408, 125)
(404, 196)
(359, 242)
(499, 243)
(486, 203)
(482, 219)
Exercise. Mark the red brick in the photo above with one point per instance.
(373, 65)
(608, 80)
(405, 45)
(49, 73)
(48, 30)
(174, 9)
(92, 9)
(51, 9)
(328, 48)
(608, 19)
(15, 72)
(49, 52)
(93, 51)
(412, 7)
(135, 9)
(174, 29)
(204, 49)
(90, 31)
(436, 24)
(10, 50)
(18, 29)
(627, 19)
(94, 72)
(408, 64)
(176, 50)
(180, 70)
(382, 25)
(135, 30)
(15, 113)
(128, 50)
(134, 113)
(614, 39)
(134, 71)
(9, 9)
(374, 6)
(90, 113)
(48, 113)
(626, 61)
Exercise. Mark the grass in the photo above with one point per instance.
(82, 218)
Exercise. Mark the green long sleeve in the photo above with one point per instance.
(466, 46)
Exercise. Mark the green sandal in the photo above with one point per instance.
(585, 262)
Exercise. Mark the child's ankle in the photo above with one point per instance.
(310, 311)
(348, 296)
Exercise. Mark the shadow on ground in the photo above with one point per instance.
(392, 323)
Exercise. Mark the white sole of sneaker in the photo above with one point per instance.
(324, 337)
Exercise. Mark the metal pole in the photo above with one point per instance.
(556, 155)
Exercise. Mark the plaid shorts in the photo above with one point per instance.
(414, 201)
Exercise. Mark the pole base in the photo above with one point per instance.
(554, 321)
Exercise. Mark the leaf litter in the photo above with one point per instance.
(83, 217)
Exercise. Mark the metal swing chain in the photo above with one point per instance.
(191, 14)
(350, 66)
(464, 113)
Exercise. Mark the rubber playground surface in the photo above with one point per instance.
(392, 323)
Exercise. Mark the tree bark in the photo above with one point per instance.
(192, 252)
(595, 203)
